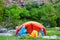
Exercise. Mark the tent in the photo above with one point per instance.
(30, 26)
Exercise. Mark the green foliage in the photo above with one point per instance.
(58, 15)
(2, 7)
(46, 14)
(49, 14)
(58, 10)
(34, 13)
(31, 5)
(24, 12)
(43, 13)
(14, 14)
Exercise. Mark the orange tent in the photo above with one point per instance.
(30, 26)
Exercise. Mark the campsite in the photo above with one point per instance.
(29, 19)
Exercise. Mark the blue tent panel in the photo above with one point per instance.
(22, 31)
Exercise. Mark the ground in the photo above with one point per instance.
(50, 32)
(15, 38)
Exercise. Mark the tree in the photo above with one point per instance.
(2, 8)
(12, 15)
(48, 13)
(43, 14)
(58, 15)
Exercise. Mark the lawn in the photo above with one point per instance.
(15, 38)
(53, 31)
(50, 32)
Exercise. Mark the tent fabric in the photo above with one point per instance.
(17, 30)
(30, 26)
(22, 31)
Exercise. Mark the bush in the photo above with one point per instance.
(58, 15)
(15, 14)
(45, 14)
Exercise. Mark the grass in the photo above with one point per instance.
(53, 31)
(15, 38)
(57, 33)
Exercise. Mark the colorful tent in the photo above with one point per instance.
(30, 26)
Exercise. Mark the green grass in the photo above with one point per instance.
(57, 33)
(15, 38)
(53, 31)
